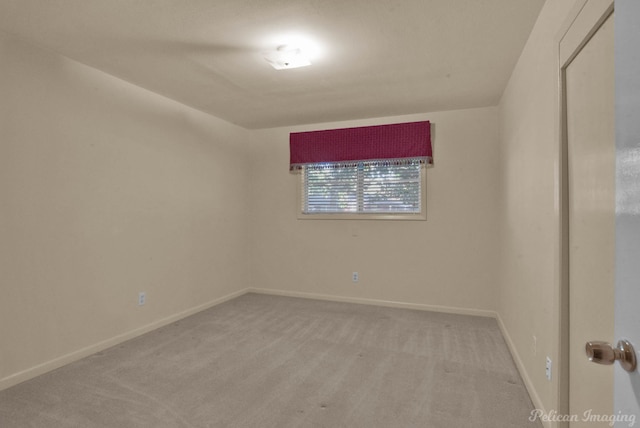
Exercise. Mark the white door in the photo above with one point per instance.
(627, 324)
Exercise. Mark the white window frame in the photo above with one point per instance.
(421, 216)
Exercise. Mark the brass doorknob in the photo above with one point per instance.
(603, 353)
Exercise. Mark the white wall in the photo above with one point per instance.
(107, 190)
(448, 261)
(529, 286)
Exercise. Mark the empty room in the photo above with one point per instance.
(319, 213)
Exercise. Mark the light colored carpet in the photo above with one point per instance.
(267, 361)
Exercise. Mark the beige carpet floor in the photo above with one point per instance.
(267, 361)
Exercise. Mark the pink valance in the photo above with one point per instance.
(386, 143)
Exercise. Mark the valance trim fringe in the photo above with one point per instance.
(366, 162)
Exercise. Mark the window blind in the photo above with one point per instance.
(363, 188)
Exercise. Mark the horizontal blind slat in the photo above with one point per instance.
(364, 189)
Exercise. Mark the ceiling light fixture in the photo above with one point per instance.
(287, 56)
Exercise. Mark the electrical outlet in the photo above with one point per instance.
(355, 277)
(142, 298)
(548, 368)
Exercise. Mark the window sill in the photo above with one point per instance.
(354, 216)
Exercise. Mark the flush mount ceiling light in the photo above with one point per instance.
(287, 56)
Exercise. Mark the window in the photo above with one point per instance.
(363, 188)
(373, 172)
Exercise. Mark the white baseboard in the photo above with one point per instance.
(376, 302)
(533, 393)
(47, 366)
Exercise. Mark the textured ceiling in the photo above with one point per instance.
(379, 57)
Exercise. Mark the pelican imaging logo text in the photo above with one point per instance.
(587, 416)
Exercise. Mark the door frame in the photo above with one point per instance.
(582, 23)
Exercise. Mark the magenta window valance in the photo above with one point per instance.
(385, 143)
